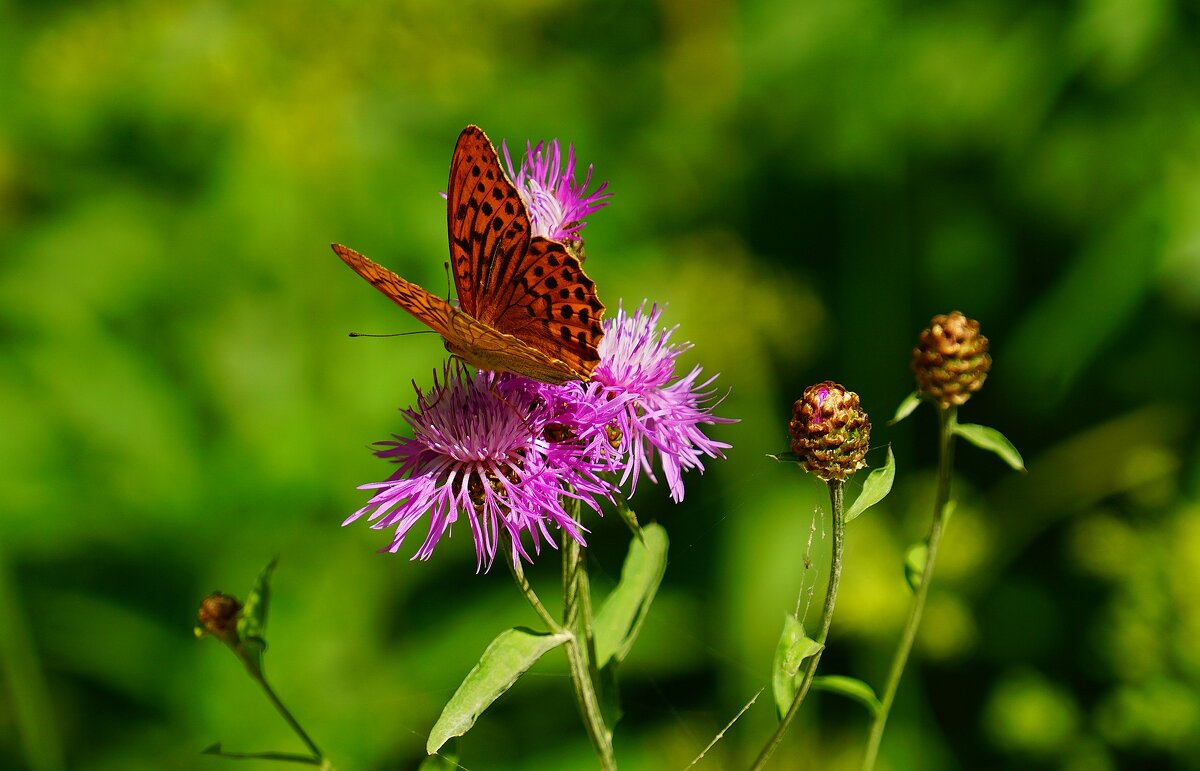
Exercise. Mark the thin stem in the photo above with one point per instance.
(946, 421)
(518, 572)
(574, 584)
(291, 721)
(837, 503)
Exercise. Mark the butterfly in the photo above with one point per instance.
(524, 303)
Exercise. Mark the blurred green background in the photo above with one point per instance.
(803, 183)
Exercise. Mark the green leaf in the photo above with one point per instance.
(914, 564)
(876, 488)
(505, 660)
(793, 648)
(992, 440)
(850, 687)
(252, 623)
(906, 408)
(948, 511)
(620, 618)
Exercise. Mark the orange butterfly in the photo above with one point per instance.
(524, 303)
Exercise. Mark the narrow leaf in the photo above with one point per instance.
(850, 687)
(506, 659)
(253, 621)
(620, 618)
(914, 565)
(793, 648)
(785, 457)
(876, 488)
(906, 408)
(990, 439)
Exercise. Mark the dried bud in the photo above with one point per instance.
(951, 359)
(830, 431)
(219, 616)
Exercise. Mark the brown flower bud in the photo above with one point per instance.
(219, 616)
(951, 359)
(830, 431)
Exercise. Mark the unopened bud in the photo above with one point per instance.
(829, 430)
(951, 359)
(218, 616)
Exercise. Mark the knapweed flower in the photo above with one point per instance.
(657, 418)
(557, 203)
(829, 431)
(481, 450)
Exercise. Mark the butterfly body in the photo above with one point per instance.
(525, 304)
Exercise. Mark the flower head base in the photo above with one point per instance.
(657, 418)
(951, 359)
(557, 204)
(829, 431)
(478, 451)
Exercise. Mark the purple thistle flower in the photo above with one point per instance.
(656, 417)
(480, 449)
(557, 203)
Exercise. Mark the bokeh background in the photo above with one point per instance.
(802, 183)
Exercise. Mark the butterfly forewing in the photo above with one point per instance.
(430, 309)
(488, 225)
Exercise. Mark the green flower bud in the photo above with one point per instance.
(951, 359)
(830, 431)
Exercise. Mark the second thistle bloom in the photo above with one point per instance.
(829, 431)
(556, 201)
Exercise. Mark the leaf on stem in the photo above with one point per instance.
(252, 624)
(914, 564)
(793, 648)
(987, 438)
(906, 408)
(851, 688)
(505, 660)
(620, 617)
(876, 488)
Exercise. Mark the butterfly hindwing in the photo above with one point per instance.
(555, 308)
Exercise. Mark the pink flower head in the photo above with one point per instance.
(480, 450)
(657, 417)
(557, 203)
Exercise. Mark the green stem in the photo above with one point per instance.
(579, 624)
(837, 503)
(946, 420)
(518, 572)
(259, 678)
